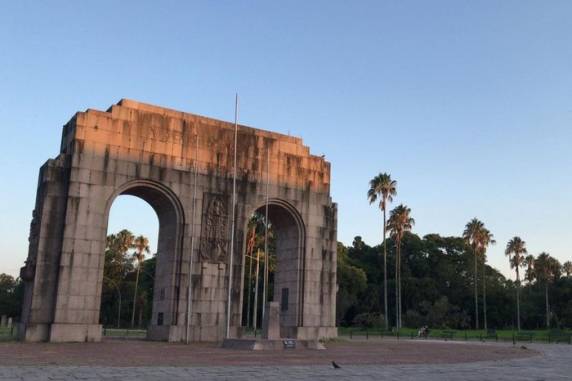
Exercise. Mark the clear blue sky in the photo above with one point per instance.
(467, 104)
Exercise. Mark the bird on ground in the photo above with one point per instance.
(336, 366)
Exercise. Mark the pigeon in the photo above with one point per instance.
(336, 366)
(523, 347)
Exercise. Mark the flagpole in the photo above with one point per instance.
(266, 256)
(228, 305)
(189, 294)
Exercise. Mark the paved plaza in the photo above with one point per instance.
(402, 361)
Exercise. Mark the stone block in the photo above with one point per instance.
(271, 322)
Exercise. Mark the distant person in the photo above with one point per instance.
(423, 332)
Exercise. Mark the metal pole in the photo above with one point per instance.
(255, 306)
(189, 293)
(266, 256)
(231, 254)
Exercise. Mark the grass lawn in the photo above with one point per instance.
(7, 333)
(504, 335)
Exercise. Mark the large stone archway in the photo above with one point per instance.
(149, 152)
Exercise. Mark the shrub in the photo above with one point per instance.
(369, 320)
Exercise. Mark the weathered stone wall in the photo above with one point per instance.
(149, 152)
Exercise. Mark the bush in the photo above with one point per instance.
(414, 319)
(369, 320)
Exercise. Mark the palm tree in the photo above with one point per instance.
(471, 235)
(547, 269)
(121, 242)
(358, 243)
(529, 262)
(485, 239)
(516, 247)
(116, 263)
(383, 188)
(567, 268)
(255, 228)
(141, 245)
(400, 221)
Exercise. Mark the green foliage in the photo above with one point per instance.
(119, 278)
(369, 320)
(438, 286)
(352, 281)
(11, 292)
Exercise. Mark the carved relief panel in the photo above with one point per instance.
(215, 228)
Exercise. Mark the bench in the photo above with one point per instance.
(448, 335)
(558, 336)
(524, 336)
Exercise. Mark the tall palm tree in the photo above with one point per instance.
(547, 269)
(255, 234)
(141, 245)
(486, 239)
(567, 268)
(383, 188)
(400, 221)
(517, 248)
(529, 262)
(471, 235)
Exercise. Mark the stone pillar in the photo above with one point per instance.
(271, 322)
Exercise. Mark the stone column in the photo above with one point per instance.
(271, 322)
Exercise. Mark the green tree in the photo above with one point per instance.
(121, 242)
(117, 265)
(485, 240)
(567, 268)
(400, 221)
(382, 187)
(529, 274)
(10, 295)
(141, 245)
(515, 249)
(352, 281)
(471, 236)
(255, 239)
(547, 270)
(434, 267)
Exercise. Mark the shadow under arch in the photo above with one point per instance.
(167, 278)
(290, 231)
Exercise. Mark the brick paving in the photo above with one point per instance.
(401, 361)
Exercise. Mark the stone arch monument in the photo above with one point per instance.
(149, 152)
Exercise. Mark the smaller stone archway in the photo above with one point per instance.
(169, 256)
(290, 235)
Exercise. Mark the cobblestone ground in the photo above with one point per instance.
(552, 362)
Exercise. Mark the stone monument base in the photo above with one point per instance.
(271, 345)
(66, 332)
